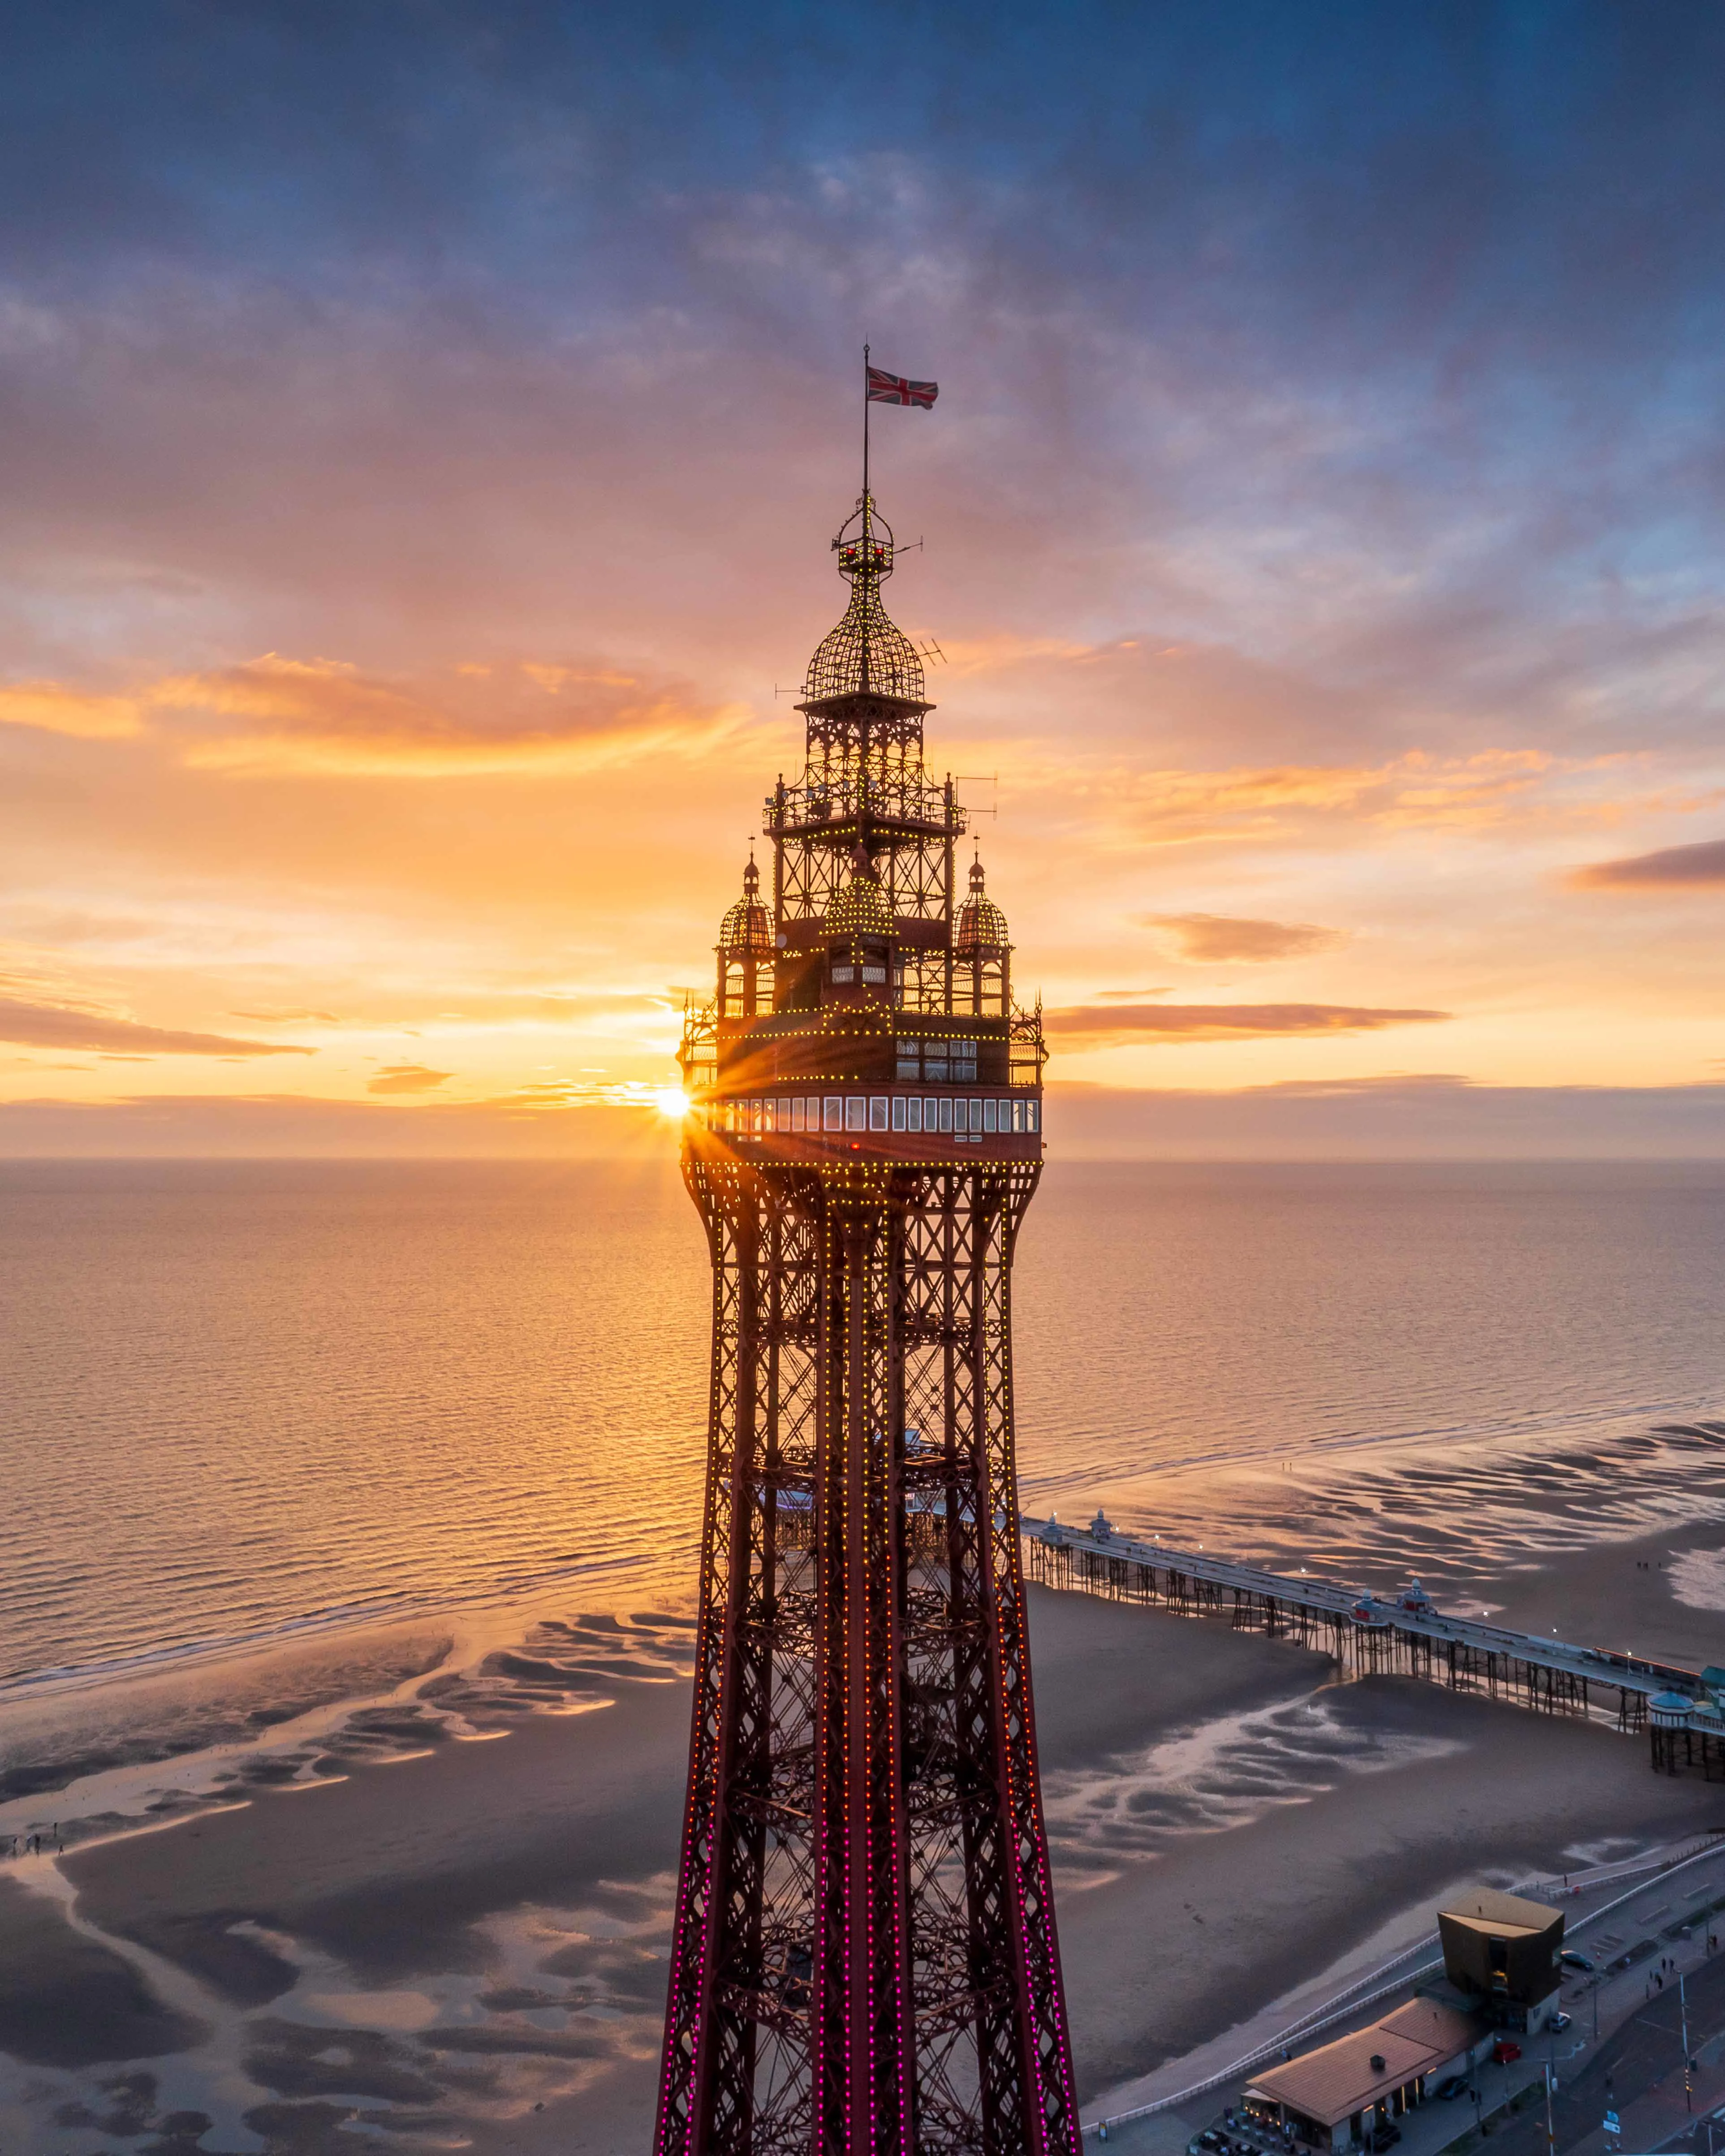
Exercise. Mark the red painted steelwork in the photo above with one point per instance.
(863, 1958)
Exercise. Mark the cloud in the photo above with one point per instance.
(60, 1025)
(310, 716)
(288, 1017)
(407, 1078)
(53, 708)
(1209, 938)
(1121, 1025)
(1673, 868)
(1414, 792)
(326, 716)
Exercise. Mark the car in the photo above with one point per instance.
(1451, 2086)
(1505, 2052)
(1571, 1960)
(1559, 2022)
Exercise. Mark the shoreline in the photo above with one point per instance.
(468, 1897)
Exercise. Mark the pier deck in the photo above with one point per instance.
(1406, 1636)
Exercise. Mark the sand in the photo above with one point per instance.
(462, 1917)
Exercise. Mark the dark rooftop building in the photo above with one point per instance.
(1501, 1954)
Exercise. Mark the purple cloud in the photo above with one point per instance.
(1700, 867)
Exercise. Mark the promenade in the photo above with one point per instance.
(1623, 2041)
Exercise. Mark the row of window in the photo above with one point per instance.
(879, 1112)
(936, 1062)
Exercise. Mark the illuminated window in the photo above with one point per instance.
(931, 1116)
(947, 1114)
(913, 1110)
(811, 1110)
(909, 1070)
(1033, 1111)
(795, 1115)
(934, 1068)
(976, 1118)
(856, 1113)
(877, 1112)
(988, 1123)
(844, 973)
(898, 1112)
(834, 1119)
(1018, 1115)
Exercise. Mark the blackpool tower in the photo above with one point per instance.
(863, 1958)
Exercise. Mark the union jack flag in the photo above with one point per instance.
(884, 388)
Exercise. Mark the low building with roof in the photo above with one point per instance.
(1338, 2096)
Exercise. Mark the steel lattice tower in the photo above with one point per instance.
(863, 1958)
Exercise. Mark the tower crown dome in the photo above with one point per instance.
(746, 931)
(866, 652)
(981, 926)
(859, 907)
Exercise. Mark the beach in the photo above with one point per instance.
(445, 1916)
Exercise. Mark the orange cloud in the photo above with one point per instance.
(53, 708)
(1218, 938)
(1416, 789)
(62, 1026)
(324, 717)
(1124, 1025)
(407, 1078)
(1132, 805)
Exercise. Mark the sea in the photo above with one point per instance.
(244, 1403)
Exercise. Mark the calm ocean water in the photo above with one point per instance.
(239, 1399)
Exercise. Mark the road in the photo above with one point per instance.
(1636, 2071)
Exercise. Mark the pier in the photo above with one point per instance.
(1407, 1635)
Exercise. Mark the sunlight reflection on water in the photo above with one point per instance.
(242, 1397)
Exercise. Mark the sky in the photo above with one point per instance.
(422, 428)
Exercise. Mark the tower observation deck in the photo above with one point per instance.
(863, 1957)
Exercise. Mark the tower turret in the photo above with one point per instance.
(745, 945)
(981, 953)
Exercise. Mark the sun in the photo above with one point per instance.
(672, 1101)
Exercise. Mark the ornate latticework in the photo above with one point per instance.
(866, 653)
(746, 930)
(858, 908)
(863, 1958)
(981, 926)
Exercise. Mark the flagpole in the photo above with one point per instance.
(866, 430)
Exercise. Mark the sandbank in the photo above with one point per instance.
(442, 1938)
